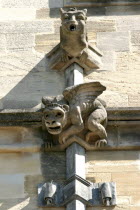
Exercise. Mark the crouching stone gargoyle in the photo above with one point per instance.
(79, 112)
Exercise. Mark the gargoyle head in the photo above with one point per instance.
(54, 115)
(73, 20)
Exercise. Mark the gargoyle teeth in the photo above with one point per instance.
(54, 128)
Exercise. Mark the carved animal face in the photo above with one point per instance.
(55, 119)
(74, 20)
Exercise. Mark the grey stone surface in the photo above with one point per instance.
(74, 75)
(26, 27)
(75, 157)
(122, 11)
(26, 77)
(113, 41)
(15, 183)
(76, 204)
(99, 3)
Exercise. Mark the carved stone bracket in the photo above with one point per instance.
(76, 190)
(74, 46)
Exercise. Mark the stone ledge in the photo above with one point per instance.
(100, 3)
(29, 116)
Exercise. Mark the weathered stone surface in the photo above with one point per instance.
(20, 80)
(99, 3)
(31, 3)
(75, 155)
(112, 162)
(101, 25)
(113, 41)
(17, 14)
(135, 40)
(14, 182)
(16, 42)
(122, 11)
(108, 64)
(74, 205)
(98, 177)
(27, 26)
(128, 23)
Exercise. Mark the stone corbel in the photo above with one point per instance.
(76, 188)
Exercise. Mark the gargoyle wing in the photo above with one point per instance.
(83, 92)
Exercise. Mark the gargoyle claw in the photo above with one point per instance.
(100, 143)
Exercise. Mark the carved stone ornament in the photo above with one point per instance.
(74, 46)
(79, 112)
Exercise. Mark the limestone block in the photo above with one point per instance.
(134, 100)
(118, 207)
(115, 99)
(113, 41)
(123, 200)
(128, 23)
(112, 162)
(135, 200)
(16, 42)
(127, 185)
(101, 25)
(123, 11)
(135, 40)
(109, 61)
(12, 186)
(20, 80)
(31, 3)
(46, 42)
(29, 202)
(20, 163)
(17, 14)
(99, 177)
(27, 26)
(2, 42)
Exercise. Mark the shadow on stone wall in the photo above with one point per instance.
(102, 11)
(28, 86)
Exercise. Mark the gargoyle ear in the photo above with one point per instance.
(66, 107)
(61, 11)
(85, 11)
(46, 100)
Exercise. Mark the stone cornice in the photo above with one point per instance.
(100, 3)
(21, 116)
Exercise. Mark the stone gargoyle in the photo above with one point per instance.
(74, 45)
(79, 112)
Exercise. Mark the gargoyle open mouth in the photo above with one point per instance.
(56, 129)
(72, 27)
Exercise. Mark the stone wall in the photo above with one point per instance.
(30, 29)
(21, 173)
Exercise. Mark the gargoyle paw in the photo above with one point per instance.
(48, 145)
(62, 139)
(101, 143)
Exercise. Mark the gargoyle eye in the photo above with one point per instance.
(80, 17)
(66, 17)
(59, 114)
(46, 115)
